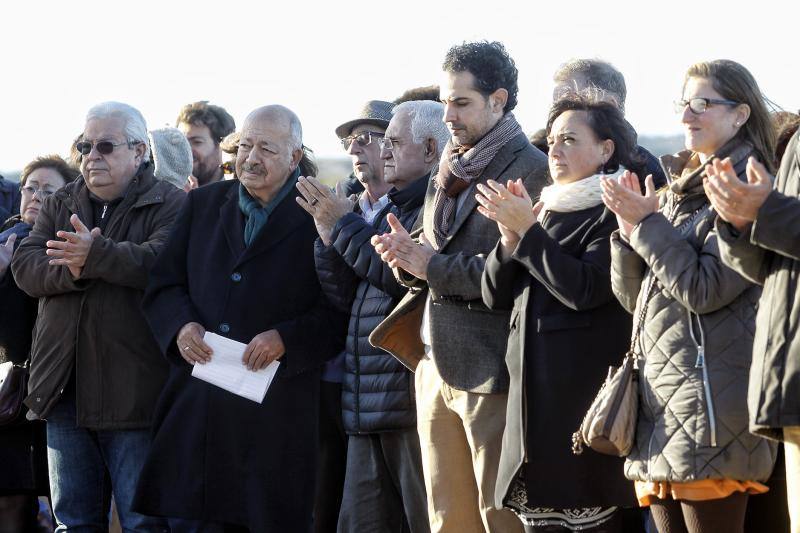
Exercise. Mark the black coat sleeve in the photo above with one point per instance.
(166, 303)
(313, 337)
(498, 280)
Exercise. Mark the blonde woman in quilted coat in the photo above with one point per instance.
(694, 461)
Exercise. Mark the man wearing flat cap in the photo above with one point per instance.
(360, 137)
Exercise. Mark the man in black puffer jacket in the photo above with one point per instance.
(383, 483)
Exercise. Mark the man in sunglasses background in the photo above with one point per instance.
(367, 128)
(360, 138)
(383, 485)
(96, 371)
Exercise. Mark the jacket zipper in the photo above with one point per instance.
(700, 363)
(673, 207)
(356, 358)
(644, 391)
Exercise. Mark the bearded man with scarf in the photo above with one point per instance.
(240, 263)
(441, 329)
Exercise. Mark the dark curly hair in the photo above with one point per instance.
(606, 120)
(218, 121)
(491, 65)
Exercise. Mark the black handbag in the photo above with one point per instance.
(13, 389)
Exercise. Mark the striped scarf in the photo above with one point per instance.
(459, 167)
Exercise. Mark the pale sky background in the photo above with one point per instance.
(324, 59)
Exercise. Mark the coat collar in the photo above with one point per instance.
(505, 156)
(412, 196)
(684, 181)
(143, 190)
(283, 221)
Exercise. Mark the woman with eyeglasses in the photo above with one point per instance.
(694, 461)
(23, 450)
(551, 268)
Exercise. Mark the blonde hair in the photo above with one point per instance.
(734, 82)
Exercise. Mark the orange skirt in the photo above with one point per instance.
(704, 489)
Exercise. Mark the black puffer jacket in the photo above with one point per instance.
(377, 390)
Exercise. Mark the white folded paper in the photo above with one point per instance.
(226, 370)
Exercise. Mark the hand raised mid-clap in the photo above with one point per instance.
(624, 198)
(399, 250)
(326, 206)
(737, 202)
(510, 206)
(73, 250)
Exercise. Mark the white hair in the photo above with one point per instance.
(295, 132)
(135, 128)
(426, 122)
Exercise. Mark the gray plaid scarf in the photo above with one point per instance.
(459, 167)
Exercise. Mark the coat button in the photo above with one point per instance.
(236, 277)
(224, 328)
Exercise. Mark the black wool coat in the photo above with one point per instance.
(566, 329)
(23, 445)
(217, 456)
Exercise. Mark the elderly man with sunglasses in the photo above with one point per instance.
(383, 488)
(96, 370)
(360, 138)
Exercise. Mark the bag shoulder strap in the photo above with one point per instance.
(651, 279)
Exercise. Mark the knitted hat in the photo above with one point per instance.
(172, 155)
(375, 112)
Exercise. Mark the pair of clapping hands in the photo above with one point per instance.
(396, 248)
(736, 202)
(70, 252)
(509, 205)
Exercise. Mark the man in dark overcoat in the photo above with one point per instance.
(240, 263)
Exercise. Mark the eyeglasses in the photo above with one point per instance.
(698, 106)
(363, 139)
(104, 147)
(387, 143)
(28, 190)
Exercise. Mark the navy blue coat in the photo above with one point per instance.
(377, 389)
(9, 198)
(216, 456)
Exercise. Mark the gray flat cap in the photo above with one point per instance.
(375, 112)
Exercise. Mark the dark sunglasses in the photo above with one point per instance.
(104, 147)
(363, 139)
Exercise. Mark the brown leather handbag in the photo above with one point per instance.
(13, 389)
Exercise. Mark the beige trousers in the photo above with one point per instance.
(460, 434)
(791, 437)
